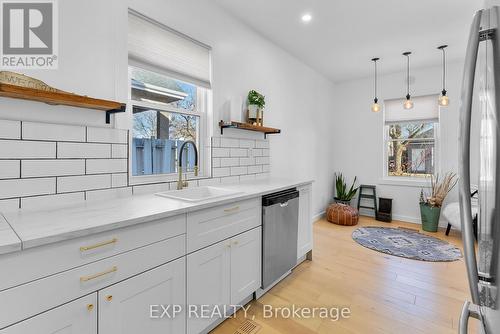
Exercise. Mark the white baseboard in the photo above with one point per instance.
(318, 216)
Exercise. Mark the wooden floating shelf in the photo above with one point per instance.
(245, 126)
(61, 98)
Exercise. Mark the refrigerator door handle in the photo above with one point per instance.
(468, 310)
(464, 157)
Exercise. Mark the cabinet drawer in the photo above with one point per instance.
(38, 262)
(26, 300)
(78, 317)
(206, 227)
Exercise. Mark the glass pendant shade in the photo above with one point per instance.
(375, 106)
(408, 104)
(443, 100)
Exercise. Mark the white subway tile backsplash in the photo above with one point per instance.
(106, 194)
(220, 152)
(229, 179)
(150, 188)
(257, 152)
(52, 201)
(262, 176)
(248, 177)
(27, 187)
(215, 141)
(220, 172)
(24, 149)
(119, 151)
(239, 152)
(99, 166)
(216, 162)
(262, 160)
(229, 142)
(83, 182)
(247, 161)
(83, 150)
(261, 144)
(55, 132)
(107, 135)
(56, 167)
(254, 169)
(119, 180)
(10, 129)
(239, 170)
(229, 162)
(9, 169)
(265, 168)
(247, 143)
(209, 182)
(7, 205)
(265, 152)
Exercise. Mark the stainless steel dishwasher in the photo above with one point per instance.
(280, 212)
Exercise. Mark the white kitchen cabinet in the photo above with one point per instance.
(76, 317)
(126, 307)
(246, 264)
(221, 275)
(305, 229)
(208, 279)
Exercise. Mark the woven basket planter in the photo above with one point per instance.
(342, 214)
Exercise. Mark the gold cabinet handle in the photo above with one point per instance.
(109, 298)
(100, 244)
(90, 307)
(91, 277)
(236, 208)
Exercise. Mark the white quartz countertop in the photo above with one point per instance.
(25, 229)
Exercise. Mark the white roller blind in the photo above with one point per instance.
(159, 47)
(425, 108)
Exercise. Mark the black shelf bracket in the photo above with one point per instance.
(114, 111)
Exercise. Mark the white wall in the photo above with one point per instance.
(93, 61)
(358, 135)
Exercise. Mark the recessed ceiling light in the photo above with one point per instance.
(306, 18)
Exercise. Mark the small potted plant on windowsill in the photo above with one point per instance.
(343, 195)
(430, 206)
(256, 103)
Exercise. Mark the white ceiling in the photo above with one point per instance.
(344, 35)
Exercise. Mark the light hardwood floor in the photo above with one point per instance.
(386, 294)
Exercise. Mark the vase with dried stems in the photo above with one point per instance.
(430, 206)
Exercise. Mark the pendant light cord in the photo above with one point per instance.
(407, 74)
(375, 83)
(444, 69)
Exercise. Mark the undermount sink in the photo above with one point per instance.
(198, 194)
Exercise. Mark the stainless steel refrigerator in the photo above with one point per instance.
(480, 97)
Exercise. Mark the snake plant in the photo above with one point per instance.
(341, 187)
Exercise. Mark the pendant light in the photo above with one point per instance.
(408, 104)
(375, 105)
(443, 99)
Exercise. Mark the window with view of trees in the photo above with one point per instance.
(410, 149)
(411, 137)
(165, 114)
(170, 87)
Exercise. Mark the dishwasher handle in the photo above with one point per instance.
(280, 198)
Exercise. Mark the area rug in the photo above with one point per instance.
(406, 243)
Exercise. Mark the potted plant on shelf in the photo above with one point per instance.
(256, 103)
(430, 206)
(343, 195)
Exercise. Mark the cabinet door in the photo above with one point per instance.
(76, 317)
(133, 306)
(208, 277)
(305, 233)
(246, 264)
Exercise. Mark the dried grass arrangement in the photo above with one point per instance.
(439, 189)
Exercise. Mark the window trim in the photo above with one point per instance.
(409, 180)
(202, 103)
